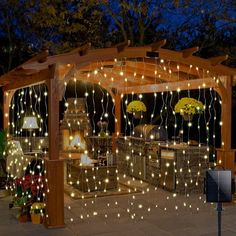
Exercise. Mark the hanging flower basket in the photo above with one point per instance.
(187, 107)
(137, 114)
(36, 218)
(136, 108)
(187, 117)
(36, 212)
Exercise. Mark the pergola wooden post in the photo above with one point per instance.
(54, 166)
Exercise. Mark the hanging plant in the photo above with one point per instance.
(187, 107)
(136, 108)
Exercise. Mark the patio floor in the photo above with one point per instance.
(152, 213)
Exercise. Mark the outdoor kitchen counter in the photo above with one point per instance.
(183, 167)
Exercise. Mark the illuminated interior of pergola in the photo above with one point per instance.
(120, 70)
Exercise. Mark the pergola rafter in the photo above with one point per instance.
(169, 86)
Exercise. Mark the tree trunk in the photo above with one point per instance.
(141, 38)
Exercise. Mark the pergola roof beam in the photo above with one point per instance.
(156, 46)
(218, 60)
(128, 76)
(163, 87)
(195, 61)
(21, 82)
(121, 46)
(189, 51)
(40, 58)
(160, 73)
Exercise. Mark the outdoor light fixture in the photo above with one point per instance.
(30, 123)
(219, 187)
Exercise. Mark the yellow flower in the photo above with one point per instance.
(189, 106)
(135, 106)
(37, 208)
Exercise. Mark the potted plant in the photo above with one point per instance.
(26, 192)
(103, 128)
(37, 212)
(187, 107)
(136, 108)
(22, 204)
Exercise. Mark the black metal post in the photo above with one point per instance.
(219, 210)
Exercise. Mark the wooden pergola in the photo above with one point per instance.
(120, 70)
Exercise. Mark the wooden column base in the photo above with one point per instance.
(55, 197)
(226, 158)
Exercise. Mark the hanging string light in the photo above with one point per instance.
(28, 171)
(135, 208)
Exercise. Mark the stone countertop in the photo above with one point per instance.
(181, 146)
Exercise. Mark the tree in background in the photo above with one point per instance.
(12, 36)
(211, 25)
(28, 27)
(64, 25)
(135, 20)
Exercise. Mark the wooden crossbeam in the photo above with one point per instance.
(165, 75)
(106, 54)
(218, 60)
(23, 72)
(149, 64)
(197, 61)
(152, 63)
(150, 74)
(118, 79)
(65, 70)
(83, 50)
(145, 67)
(21, 82)
(103, 82)
(40, 58)
(121, 46)
(189, 51)
(156, 46)
(98, 65)
(171, 86)
(19, 72)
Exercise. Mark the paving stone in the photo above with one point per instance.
(223, 233)
(186, 221)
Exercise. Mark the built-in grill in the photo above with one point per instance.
(150, 132)
(138, 154)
